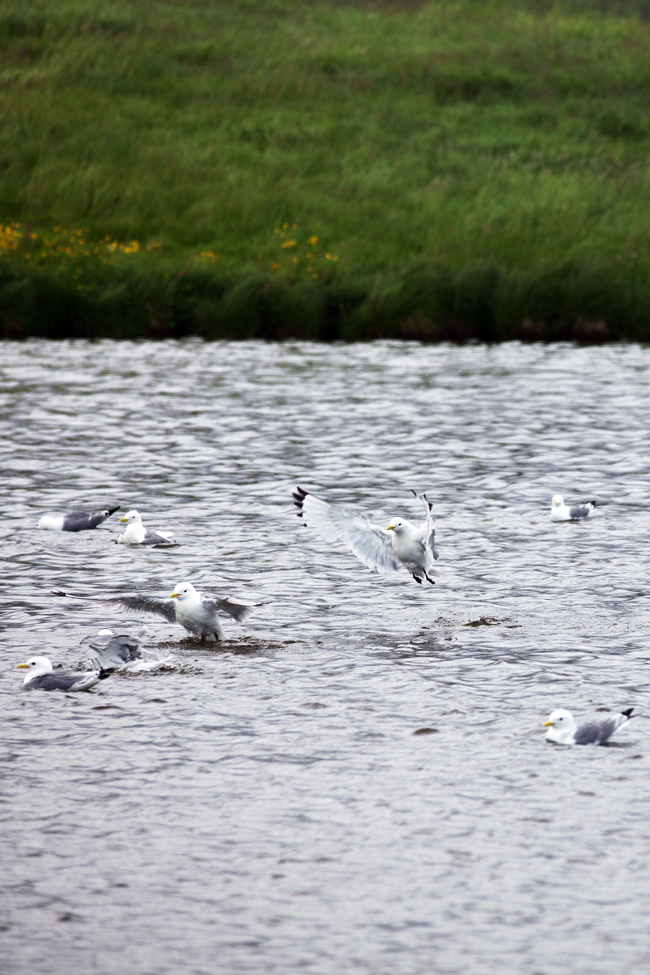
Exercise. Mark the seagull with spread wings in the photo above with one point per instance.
(383, 550)
(193, 610)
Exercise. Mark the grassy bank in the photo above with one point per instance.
(295, 168)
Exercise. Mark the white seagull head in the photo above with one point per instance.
(559, 719)
(557, 501)
(560, 726)
(36, 666)
(184, 590)
(396, 525)
(132, 517)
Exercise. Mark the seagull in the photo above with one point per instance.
(136, 534)
(42, 677)
(76, 521)
(562, 512)
(111, 651)
(562, 729)
(196, 612)
(381, 550)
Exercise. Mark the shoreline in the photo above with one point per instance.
(424, 302)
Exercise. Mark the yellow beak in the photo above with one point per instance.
(548, 724)
(390, 529)
(22, 666)
(174, 595)
(124, 519)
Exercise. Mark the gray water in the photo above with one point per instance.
(265, 806)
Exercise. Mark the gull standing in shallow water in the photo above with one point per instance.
(196, 612)
(562, 729)
(137, 534)
(41, 676)
(382, 550)
(563, 512)
(76, 521)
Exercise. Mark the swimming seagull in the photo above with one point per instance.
(42, 677)
(562, 512)
(562, 729)
(196, 612)
(136, 534)
(76, 521)
(381, 550)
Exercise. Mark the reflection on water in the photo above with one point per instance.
(267, 806)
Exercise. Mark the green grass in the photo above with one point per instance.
(478, 168)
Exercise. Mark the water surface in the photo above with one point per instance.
(266, 806)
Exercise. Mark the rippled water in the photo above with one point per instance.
(265, 806)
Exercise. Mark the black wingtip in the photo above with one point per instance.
(298, 497)
(103, 674)
(426, 501)
(628, 713)
(111, 511)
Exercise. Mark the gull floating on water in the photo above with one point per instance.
(562, 512)
(136, 534)
(76, 521)
(382, 550)
(196, 612)
(562, 729)
(42, 677)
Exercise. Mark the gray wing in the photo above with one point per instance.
(598, 732)
(62, 680)
(119, 650)
(150, 604)
(428, 531)
(370, 544)
(153, 538)
(579, 511)
(78, 521)
(236, 608)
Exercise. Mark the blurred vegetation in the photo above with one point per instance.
(279, 168)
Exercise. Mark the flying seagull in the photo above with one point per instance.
(382, 550)
(76, 521)
(196, 612)
(562, 729)
(42, 677)
(136, 534)
(562, 512)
